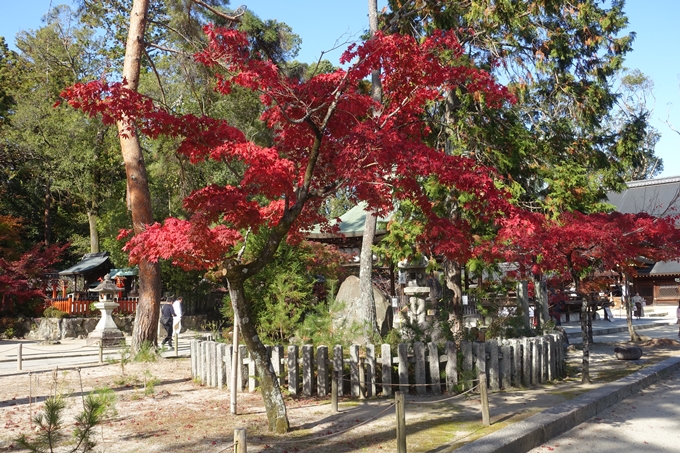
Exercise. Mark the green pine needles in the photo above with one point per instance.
(51, 435)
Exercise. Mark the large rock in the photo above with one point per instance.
(350, 296)
(630, 353)
(45, 329)
(77, 327)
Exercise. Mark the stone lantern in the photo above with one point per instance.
(106, 331)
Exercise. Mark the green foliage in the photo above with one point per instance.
(54, 312)
(97, 407)
(271, 39)
(288, 288)
(150, 383)
(393, 338)
(403, 230)
(216, 328)
(190, 284)
(12, 327)
(288, 299)
(146, 353)
(321, 327)
(49, 424)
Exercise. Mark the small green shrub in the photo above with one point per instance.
(146, 353)
(98, 406)
(54, 312)
(318, 326)
(12, 327)
(150, 383)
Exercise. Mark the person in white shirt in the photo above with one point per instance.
(639, 304)
(177, 320)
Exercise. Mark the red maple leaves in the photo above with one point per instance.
(577, 243)
(329, 133)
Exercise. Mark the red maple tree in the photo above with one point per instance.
(329, 134)
(579, 245)
(22, 279)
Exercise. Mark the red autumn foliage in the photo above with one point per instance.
(579, 243)
(21, 279)
(329, 134)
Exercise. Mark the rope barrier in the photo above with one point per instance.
(225, 448)
(11, 348)
(332, 434)
(445, 399)
(60, 350)
(402, 385)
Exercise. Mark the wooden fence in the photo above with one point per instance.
(418, 368)
(82, 306)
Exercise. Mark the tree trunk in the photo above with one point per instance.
(47, 235)
(541, 297)
(274, 404)
(523, 301)
(365, 278)
(366, 257)
(139, 197)
(585, 363)
(94, 235)
(626, 301)
(453, 281)
(591, 313)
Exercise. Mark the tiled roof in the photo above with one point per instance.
(654, 196)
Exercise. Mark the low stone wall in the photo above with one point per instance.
(53, 329)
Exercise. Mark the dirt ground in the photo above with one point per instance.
(160, 409)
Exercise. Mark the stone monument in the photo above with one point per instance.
(106, 332)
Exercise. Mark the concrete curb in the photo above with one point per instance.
(539, 428)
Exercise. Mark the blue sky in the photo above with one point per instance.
(322, 24)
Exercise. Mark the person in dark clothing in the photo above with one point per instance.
(167, 313)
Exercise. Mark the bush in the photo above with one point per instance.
(54, 312)
(12, 327)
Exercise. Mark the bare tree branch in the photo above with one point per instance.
(235, 18)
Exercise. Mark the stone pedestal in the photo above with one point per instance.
(417, 311)
(106, 331)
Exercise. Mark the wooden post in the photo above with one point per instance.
(176, 345)
(485, 399)
(293, 370)
(19, 364)
(338, 366)
(307, 369)
(362, 378)
(451, 367)
(240, 444)
(401, 421)
(322, 371)
(334, 392)
(354, 370)
(419, 354)
(402, 353)
(386, 359)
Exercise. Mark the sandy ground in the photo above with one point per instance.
(175, 414)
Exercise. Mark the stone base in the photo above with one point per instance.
(109, 338)
(630, 353)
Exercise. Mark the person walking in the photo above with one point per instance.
(177, 320)
(167, 313)
(639, 304)
(677, 315)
